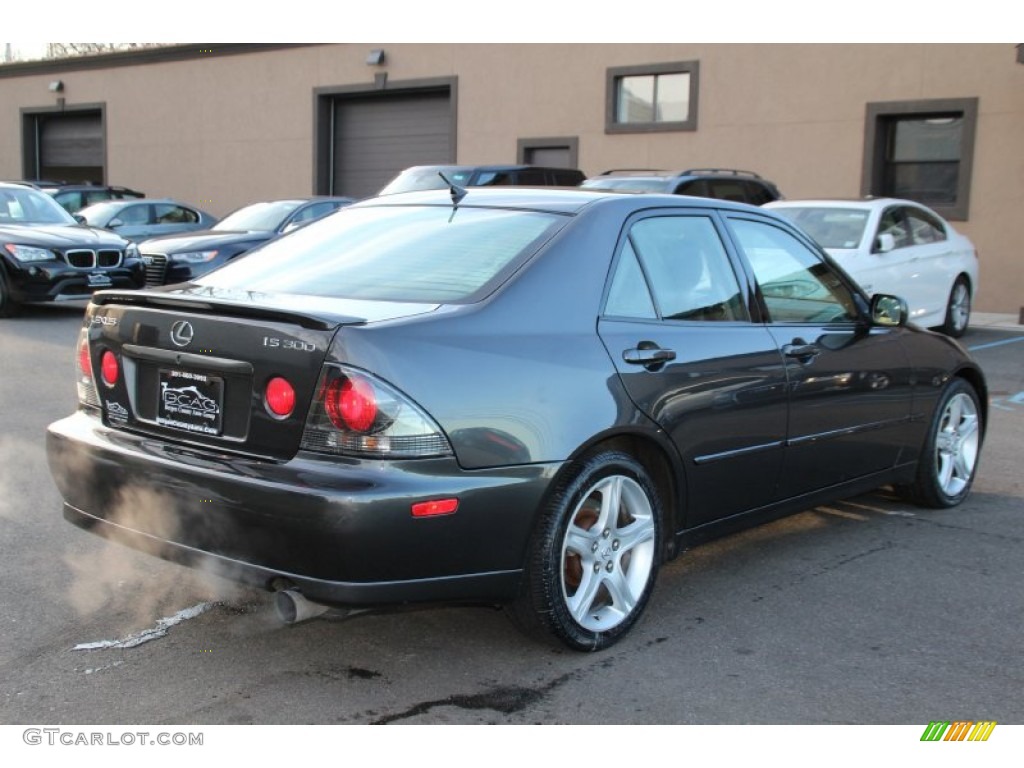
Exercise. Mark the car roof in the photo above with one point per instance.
(489, 167)
(564, 200)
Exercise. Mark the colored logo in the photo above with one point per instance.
(958, 730)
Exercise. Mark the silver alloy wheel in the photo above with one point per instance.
(608, 553)
(959, 307)
(956, 444)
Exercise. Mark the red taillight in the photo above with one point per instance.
(351, 404)
(109, 368)
(84, 360)
(280, 396)
(435, 508)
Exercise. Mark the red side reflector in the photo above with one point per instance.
(84, 362)
(109, 368)
(435, 508)
(280, 396)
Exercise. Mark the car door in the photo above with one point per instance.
(889, 266)
(678, 328)
(934, 262)
(849, 383)
(133, 222)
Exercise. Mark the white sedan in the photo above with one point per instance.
(897, 247)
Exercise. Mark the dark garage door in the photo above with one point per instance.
(70, 147)
(376, 137)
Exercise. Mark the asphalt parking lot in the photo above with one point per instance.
(867, 611)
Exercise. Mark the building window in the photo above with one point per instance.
(656, 97)
(922, 151)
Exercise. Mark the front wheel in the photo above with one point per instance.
(8, 306)
(950, 457)
(958, 309)
(594, 557)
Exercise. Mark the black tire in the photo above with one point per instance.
(8, 306)
(949, 459)
(594, 556)
(958, 309)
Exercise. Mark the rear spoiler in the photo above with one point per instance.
(271, 307)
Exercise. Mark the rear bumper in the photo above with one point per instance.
(339, 530)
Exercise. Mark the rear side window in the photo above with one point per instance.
(686, 267)
(423, 254)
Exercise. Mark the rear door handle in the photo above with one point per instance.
(648, 354)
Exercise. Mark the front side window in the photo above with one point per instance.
(894, 223)
(657, 97)
(797, 286)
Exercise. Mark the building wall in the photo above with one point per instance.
(225, 130)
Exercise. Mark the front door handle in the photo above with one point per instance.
(801, 350)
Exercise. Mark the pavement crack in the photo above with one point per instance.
(504, 699)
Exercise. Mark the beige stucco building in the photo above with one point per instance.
(225, 125)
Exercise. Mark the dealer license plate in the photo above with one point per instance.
(189, 401)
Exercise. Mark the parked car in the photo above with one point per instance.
(179, 258)
(531, 397)
(717, 183)
(142, 219)
(897, 246)
(423, 177)
(72, 197)
(45, 255)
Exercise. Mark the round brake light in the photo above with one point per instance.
(280, 396)
(351, 403)
(109, 368)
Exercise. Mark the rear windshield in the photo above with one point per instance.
(829, 227)
(402, 253)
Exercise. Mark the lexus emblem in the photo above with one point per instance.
(181, 333)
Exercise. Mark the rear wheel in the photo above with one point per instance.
(950, 458)
(958, 309)
(594, 557)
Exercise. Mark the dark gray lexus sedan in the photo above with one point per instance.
(524, 397)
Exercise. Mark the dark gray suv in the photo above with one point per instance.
(718, 183)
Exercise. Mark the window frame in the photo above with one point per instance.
(614, 74)
(879, 118)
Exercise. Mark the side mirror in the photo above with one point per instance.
(889, 311)
(114, 224)
(80, 218)
(885, 243)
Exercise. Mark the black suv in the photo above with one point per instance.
(719, 183)
(45, 255)
(422, 177)
(73, 197)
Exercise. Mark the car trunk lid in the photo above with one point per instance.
(193, 366)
